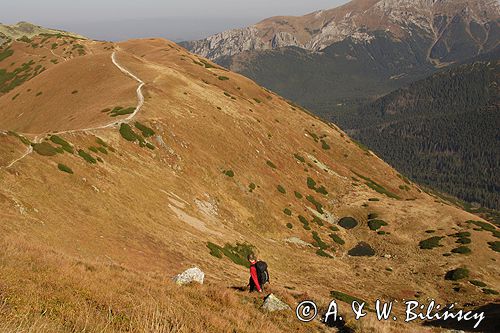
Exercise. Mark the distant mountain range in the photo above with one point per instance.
(26, 29)
(452, 29)
(339, 60)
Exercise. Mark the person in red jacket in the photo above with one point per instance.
(254, 279)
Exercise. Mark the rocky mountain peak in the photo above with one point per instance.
(358, 20)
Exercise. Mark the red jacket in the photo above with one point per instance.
(253, 274)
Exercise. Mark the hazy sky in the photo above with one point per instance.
(173, 19)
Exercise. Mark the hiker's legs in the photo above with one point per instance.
(253, 287)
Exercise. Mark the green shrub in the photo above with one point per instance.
(289, 225)
(44, 149)
(374, 199)
(298, 195)
(322, 253)
(462, 234)
(334, 228)
(381, 232)
(464, 241)
(94, 149)
(281, 189)
(488, 291)
(319, 206)
(101, 142)
(150, 146)
(271, 164)
(478, 283)
(20, 137)
(377, 187)
(372, 216)
(236, 253)
(102, 150)
(63, 143)
(495, 246)
(336, 238)
(287, 212)
(6, 53)
(430, 231)
(64, 168)
(461, 250)
(24, 39)
(318, 221)
(457, 274)
(376, 224)
(348, 222)
(86, 156)
(207, 64)
(300, 158)
(257, 100)
(325, 145)
(229, 173)
(322, 190)
(252, 187)
(120, 111)
(223, 78)
(318, 242)
(146, 131)
(128, 133)
(483, 225)
(362, 249)
(303, 220)
(311, 183)
(430, 243)
(340, 296)
(404, 187)
(215, 250)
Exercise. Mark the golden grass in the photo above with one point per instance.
(43, 291)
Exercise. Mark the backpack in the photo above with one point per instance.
(262, 273)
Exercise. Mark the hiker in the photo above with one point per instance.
(258, 273)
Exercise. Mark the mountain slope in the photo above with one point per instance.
(96, 220)
(358, 52)
(442, 131)
(336, 61)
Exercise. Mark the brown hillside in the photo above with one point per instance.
(95, 250)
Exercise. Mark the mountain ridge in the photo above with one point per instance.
(356, 19)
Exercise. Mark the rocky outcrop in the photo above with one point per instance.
(273, 303)
(189, 276)
(360, 20)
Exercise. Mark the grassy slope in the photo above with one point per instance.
(97, 248)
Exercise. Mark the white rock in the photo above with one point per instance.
(191, 275)
(273, 303)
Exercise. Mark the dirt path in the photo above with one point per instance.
(140, 103)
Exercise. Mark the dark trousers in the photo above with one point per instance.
(253, 287)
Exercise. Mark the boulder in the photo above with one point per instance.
(191, 275)
(273, 303)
